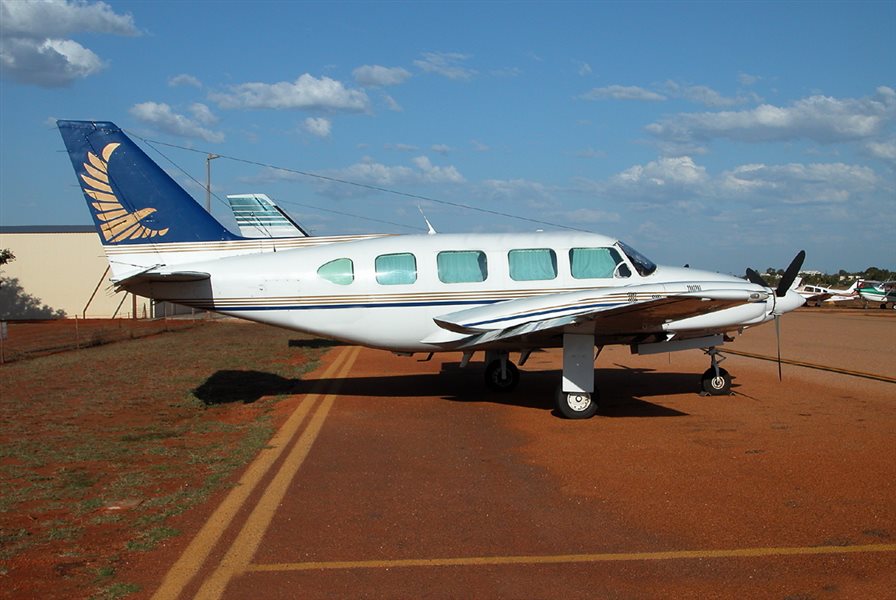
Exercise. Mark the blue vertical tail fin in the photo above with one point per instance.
(132, 200)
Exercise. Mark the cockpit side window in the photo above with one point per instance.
(643, 265)
(340, 271)
(597, 263)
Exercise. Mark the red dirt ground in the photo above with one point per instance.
(416, 461)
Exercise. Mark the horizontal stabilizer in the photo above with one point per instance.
(259, 217)
(157, 277)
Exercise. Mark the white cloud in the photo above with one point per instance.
(318, 127)
(440, 148)
(885, 150)
(33, 49)
(747, 79)
(433, 174)
(622, 92)
(184, 79)
(162, 117)
(705, 95)
(391, 103)
(594, 216)
(306, 92)
(446, 64)
(584, 69)
(512, 191)
(402, 147)
(794, 183)
(680, 183)
(203, 114)
(376, 75)
(819, 118)
(682, 171)
(369, 172)
(55, 18)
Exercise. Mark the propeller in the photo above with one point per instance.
(786, 280)
(790, 274)
(756, 278)
(783, 285)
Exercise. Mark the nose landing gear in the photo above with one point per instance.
(715, 380)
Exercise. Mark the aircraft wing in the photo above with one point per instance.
(818, 297)
(632, 310)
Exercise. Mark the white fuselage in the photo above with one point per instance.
(362, 290)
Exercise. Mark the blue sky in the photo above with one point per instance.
(723, 135)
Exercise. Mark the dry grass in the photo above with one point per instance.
(153, 425)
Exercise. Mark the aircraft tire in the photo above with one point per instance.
(495, 382)
(716, 386)
(576, 405)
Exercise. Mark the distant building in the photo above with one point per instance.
(65, 267)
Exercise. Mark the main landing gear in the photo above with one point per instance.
(501, 375)
(715, 380)
(576, 397)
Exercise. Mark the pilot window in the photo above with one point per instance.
(396, 269)
(596, 263)
(462, 266)
(340, 271)
(532, 264)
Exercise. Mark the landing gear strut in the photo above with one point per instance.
(715, 381)
(577, 398)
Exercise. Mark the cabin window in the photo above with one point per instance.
(596, 263)
(462, 266)
(532, 264)
(396, 269)
(340, 271)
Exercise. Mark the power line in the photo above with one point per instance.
(357, 184)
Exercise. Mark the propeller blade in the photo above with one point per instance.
(756, 278)
(778, 339)
(790, 274)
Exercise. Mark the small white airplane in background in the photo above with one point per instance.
(878, 292)
(258, 216)
(495, 293)
(816, 294)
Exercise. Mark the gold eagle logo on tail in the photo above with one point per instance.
(117, 223)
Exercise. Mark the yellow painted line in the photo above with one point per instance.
(245, 545)
(571, 558)
(196, 553)
(808, 365)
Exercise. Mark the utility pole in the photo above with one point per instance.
(208, 181)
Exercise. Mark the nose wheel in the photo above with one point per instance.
(715, 380)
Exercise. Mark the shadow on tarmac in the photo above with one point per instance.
(622, 390)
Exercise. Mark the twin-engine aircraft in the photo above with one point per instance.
(496, 293)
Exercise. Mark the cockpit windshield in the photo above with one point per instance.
(643, 265)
